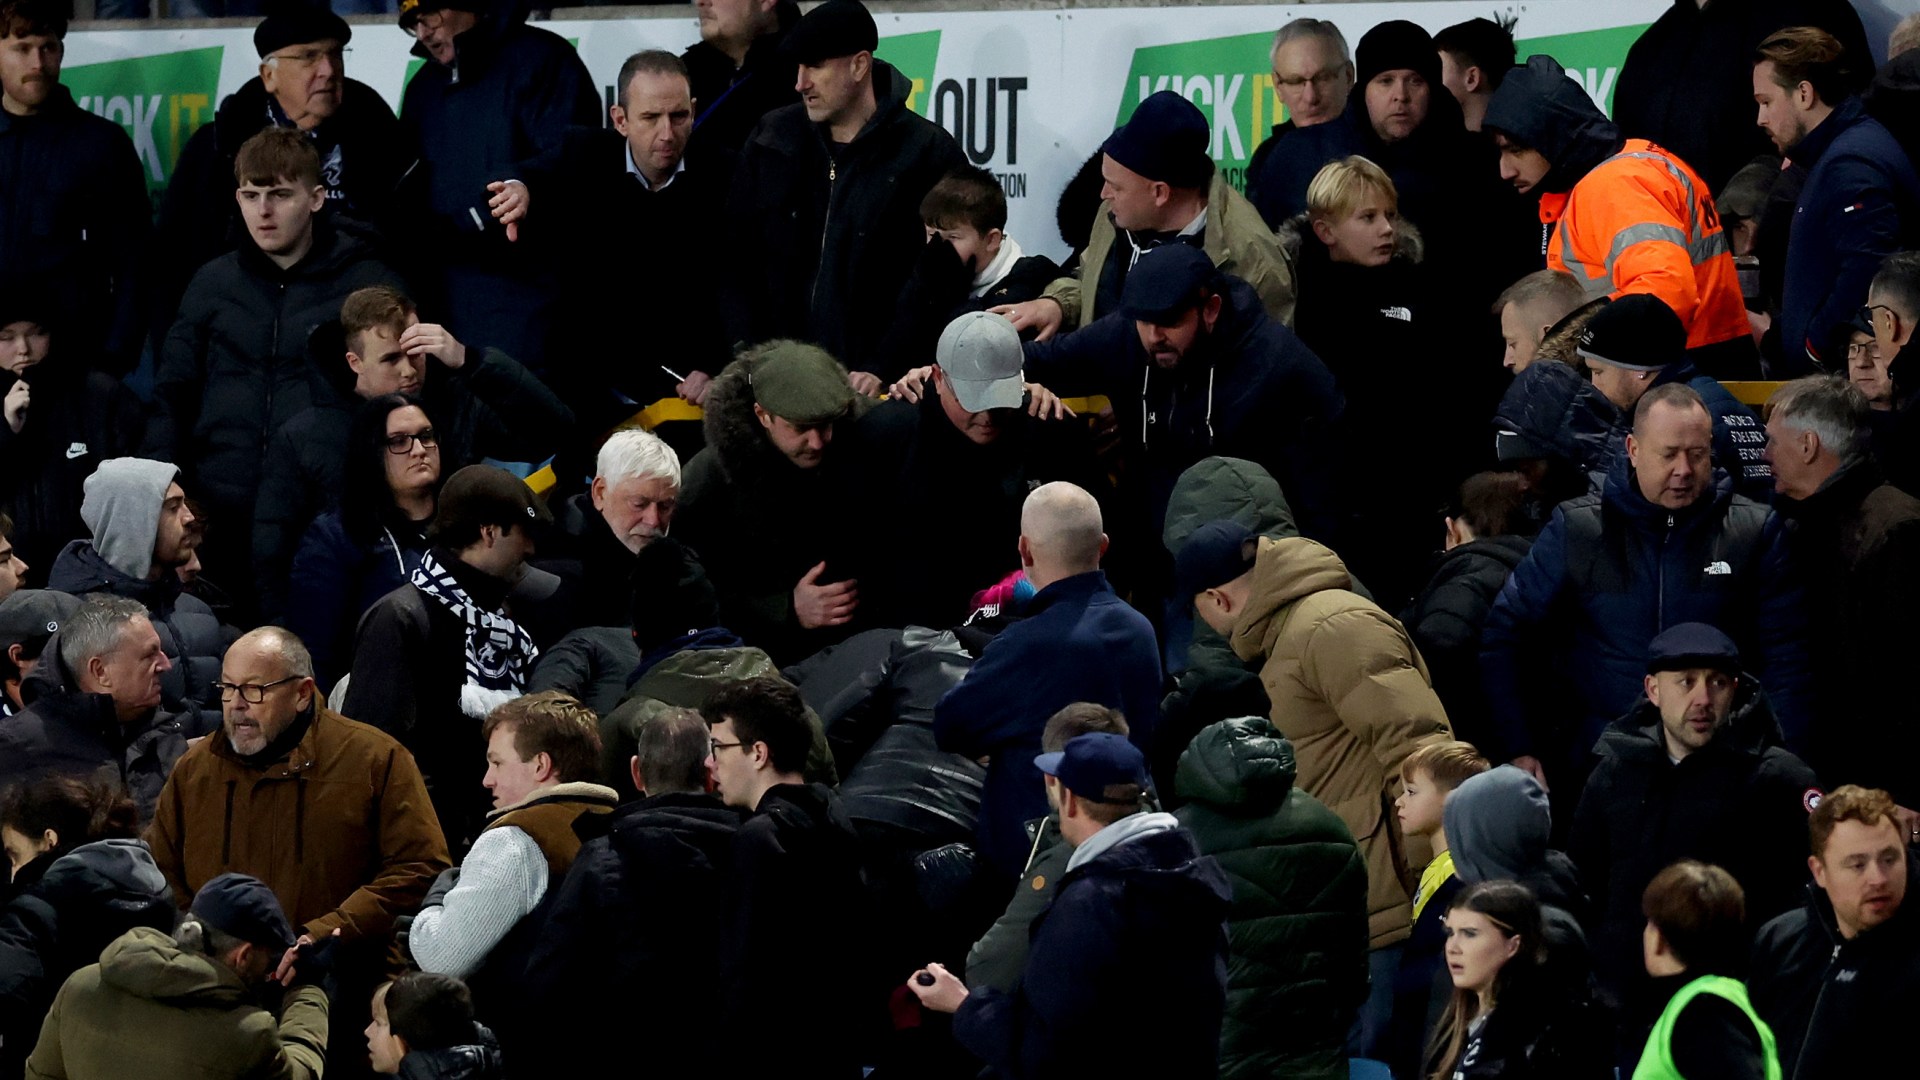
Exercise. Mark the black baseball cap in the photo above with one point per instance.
(1215, 554)
(1094, 762)
(244, 907)
(34, 613)
(1166, 283)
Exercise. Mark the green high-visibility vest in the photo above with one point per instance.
(1656, 1062)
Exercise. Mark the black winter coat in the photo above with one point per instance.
(66, 732)
(1445, 621)
(1833, 1002)
(361, 160)
(479, 1060)
(835, 232)
(1739, 803)
(1687, 83)
(728, 102)
(632, 930)
(336, 578)
(1148, 912)
(1251, 389)
(592, 664)
(75, 420)
(75, 222)
(234, 368)
(190, 634)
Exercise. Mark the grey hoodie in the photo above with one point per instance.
(1131, 827)
(122, 508)
(1497, 826)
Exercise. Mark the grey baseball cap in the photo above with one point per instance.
(980, 354)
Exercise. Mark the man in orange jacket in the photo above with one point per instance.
(1621, 215)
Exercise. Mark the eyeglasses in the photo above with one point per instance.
(1322, 81)
(1867, 312)
(252, 693)
(403, 442)
(1858, 348)
(431, 20)
(715, 745)
(310, 57)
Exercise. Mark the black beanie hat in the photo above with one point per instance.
(1393, 45)
(1166, 140)
(298, 23)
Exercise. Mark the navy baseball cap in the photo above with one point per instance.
(1166, 283)
(1092, 763)
(1215, 554)
(244, 907)
(1691, 645)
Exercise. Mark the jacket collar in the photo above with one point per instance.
(302, 757)
(890, 92)
(1076, 587)
(59, 103)
(571, 792)
(1839, 498)
(1623, 494)
(1844, 116)
(1127, 829)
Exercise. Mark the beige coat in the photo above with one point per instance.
(1351, 692)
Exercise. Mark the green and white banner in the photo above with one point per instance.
(1028, 94)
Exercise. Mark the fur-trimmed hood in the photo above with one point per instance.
(740, 445)
(1407, 242)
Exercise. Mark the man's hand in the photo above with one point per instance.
(910, 386)
(1759, 322)
(1532, 767)
(1043, 315)
(818, 606)
(509, 204)
(1045, 404)
(865, 383)
(283, 974)
(694, 389)
(16, 406)
(946, 993)
(432, 339)
(1909, 823)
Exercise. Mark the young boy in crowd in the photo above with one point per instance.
(970, 264)
(423, 1026)
(1427, 777)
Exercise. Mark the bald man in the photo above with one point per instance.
(1076, 641)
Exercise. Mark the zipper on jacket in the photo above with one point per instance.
(226, 829)
(273, 374)
(1826, 979)
(826, 229)
(1660, 577)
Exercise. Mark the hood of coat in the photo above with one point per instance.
(1539, 106)
(117, 874)
(149, 964)
(1241, 766)
(1226, 488)
(1750, 727)
(1284, 571)
(1553, 407)
(1497, 825)
(1297, 239)
(740, 445)
(1157, 858)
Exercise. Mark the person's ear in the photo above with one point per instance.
(762, 415)
(1103, 545)
(269, 73)
(317, 198)
(1473, 78)
(356, 363)
(633, 770)
(50, 837)
(302, 691)
(1652, 686)
(1026, 553)
(543, 766)
(1161, 191)
(1818, 869)
(619, 117)
(861, 66)
(761, 757)
(1513, 945)
(1633, 449)
(598, 490)
(17, 654)
(97, 670)
(1322, 231)
(1210, 309)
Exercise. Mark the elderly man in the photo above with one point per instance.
(332, 815)
(1158, 188)
(1857, 542)
(144, 531)
(601, 535)
(302, 84)
(1666, 542)
(1312, 74)
(1078, 642)
(98, 703)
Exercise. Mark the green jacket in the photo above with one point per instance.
(1297, 929)
(998, 958)
(148, 1011)
(1237, 240)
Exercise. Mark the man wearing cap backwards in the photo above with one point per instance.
(1139, 912)
(1667, 541)
(1347, 687)
(1695, 770)
(777, 502)
(161, 1007)
(494, 95)
(962, 460)
(434, 657)
(825, 210)
(331, 815)
(1636, 343)
(1159, 187)
(1195, 367)
(302, 84)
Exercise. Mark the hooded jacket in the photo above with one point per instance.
(1445, 621)
(1248, 389)
(191, 635)
(1234, 237)
(1861, 203)
(64, 731)
(1297, 926)
(191, 1015)
(1560, 414)
(1833, 1001)
(1606, 575)
(1351, 693)
(234, 366)
(478, 1060)
(75, 221)
(1739, 803)
(1142, 908)
(835, 232)
(60, 923)
(77, 419)
(1626, 216)
(729, 100)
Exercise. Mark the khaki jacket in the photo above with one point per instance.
(1237, 240)
(1351, 692)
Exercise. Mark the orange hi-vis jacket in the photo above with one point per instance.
(1642, 221)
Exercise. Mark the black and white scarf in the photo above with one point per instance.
(499, 653)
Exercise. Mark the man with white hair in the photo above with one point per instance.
(602, 533)
(1077, 641)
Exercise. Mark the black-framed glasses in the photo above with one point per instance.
(252, 693)
(403, 442)
(714, 746)
(1322, 81)
(310, 57)
(1866, 312)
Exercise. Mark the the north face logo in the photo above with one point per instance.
(1403, 314)
(1717, 569)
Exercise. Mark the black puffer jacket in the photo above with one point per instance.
(1446, 618)
(730, 101)
(76, 420)
(190, 634)
(67, 910)
(234, 368)
(479, 1060)
(835, 240)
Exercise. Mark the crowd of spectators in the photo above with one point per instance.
(1349, 626)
